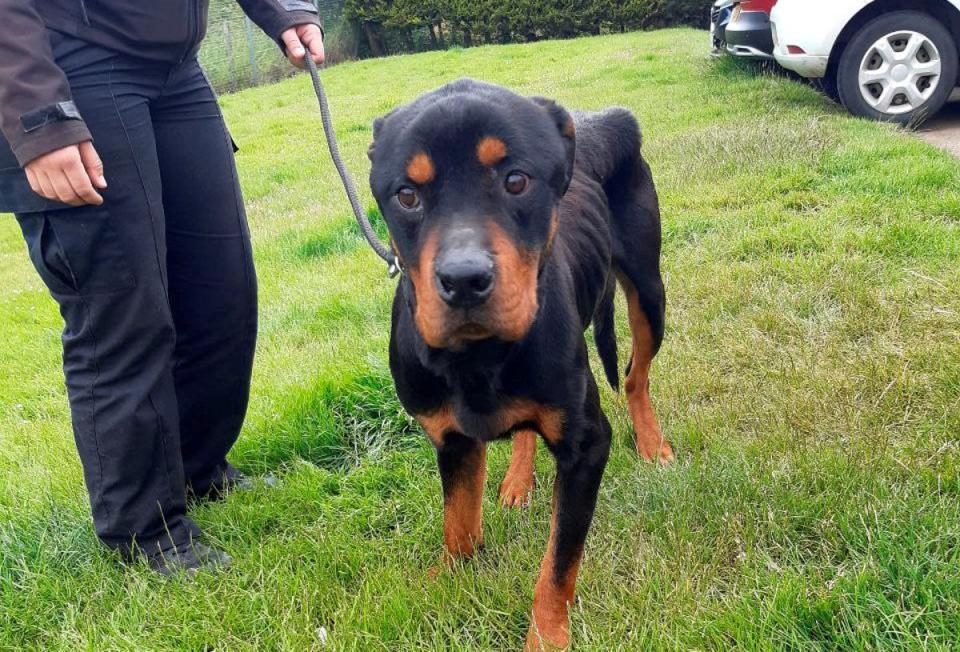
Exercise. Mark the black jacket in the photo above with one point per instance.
(36, 113)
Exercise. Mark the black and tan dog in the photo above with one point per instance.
(514, 221)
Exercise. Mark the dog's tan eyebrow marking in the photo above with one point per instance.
(570, 129)
(420, 169)
(491, 150)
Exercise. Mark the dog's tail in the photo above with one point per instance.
(605, 335)
(617, 130)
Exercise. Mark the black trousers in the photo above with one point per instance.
(157, 291)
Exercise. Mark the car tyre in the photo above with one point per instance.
(828, 86)
(899, 67)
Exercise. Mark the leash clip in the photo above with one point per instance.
(394, 268)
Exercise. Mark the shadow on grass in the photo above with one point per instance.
(335, 423)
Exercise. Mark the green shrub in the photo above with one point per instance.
(389, 26)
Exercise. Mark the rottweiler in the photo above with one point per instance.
(513, 221)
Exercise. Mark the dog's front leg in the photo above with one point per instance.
(580, 467)
(463, 471)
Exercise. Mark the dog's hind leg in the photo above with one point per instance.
(517, 486)
(635, 220)
(651, 444)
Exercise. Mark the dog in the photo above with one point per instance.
(514, 221)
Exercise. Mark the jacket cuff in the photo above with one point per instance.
(288, 20)
(49, 137)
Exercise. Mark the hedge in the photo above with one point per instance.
(389, 26)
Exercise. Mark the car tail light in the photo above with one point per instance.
(795, 49)
(758, 5)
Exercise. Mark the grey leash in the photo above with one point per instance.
(381, 249)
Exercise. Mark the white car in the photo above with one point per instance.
(892, 60)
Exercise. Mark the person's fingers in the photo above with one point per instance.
(46, 188)
(293, 46)
(312, 38)
(92, 164)
(63, 189)
(80, 181)
(32, 180)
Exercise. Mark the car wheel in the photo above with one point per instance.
(899, 67)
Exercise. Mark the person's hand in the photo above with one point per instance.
(70, 175)
(303, 36)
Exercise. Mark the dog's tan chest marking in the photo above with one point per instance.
(517, 413)
(437, 424)
(545, 420)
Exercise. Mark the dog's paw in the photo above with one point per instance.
(516, 491)
(555, 640)
(655, 449)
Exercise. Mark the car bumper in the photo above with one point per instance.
(719, 19)
(748, 35)
(804, 32)
(805, 65)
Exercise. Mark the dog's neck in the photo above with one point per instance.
(473, 363)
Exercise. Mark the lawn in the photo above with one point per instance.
(809, 380)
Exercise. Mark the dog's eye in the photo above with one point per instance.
(516, 182)
(408, 198)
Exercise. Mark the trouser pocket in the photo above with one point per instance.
(77, 251)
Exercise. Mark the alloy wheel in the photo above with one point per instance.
(899, 72)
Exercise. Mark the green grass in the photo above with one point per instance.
(809, 381)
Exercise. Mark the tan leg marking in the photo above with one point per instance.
(550, 623)
(518, 483)
(463, 508)
(651, 444)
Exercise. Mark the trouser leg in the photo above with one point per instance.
(118, 342)
(211, 274)
(105, 266)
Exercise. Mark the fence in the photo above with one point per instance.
(236, 54)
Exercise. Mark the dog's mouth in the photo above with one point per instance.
(462, 327)
(471, 332)
(455, 328)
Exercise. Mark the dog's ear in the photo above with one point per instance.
(568, 131)
(377, 129)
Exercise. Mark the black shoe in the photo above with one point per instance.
(189, 560)
(229, 481)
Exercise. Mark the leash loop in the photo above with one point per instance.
(382, 250)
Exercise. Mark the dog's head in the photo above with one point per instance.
(468, 178)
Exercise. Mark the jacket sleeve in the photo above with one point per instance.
(276, 16)
(37, 114)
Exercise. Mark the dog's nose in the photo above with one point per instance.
(465, 281)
